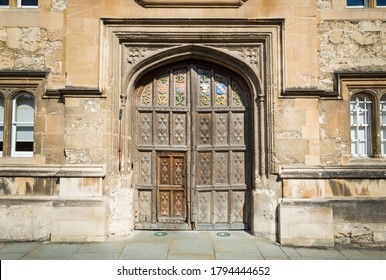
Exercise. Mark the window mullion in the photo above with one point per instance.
(376, 138)
(7, 127)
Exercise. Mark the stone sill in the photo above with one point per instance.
(329, 201)
(191, 3)
(73, 92)
(333, 172)
(44, 198)
(52, 171)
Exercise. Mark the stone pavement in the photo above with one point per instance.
(180, 245)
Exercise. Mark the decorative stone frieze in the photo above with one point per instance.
(134, 54)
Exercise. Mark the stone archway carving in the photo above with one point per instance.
(250, 48)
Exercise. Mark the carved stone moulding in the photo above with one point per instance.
(191, 3)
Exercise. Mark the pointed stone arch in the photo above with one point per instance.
(131, 48)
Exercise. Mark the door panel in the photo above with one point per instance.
(171, 187)
(193, 154)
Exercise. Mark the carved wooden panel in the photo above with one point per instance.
(163, 90)
(180, 88)
(145, 133)
(161, 131)
(237, 129)
(238, 168)
(179, 129)
(145, 201)
(204, 129)
(221, 129)
(220, 168)
(145, 168)
(204, 168)
(171, 185)
(204, 202)
(221, 90)
(146, 98)
(239, 207)
(220, 207)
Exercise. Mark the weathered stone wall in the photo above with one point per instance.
(264, 208)
(25, 220)
(332, 188)
(85, 131)
(324, 4)
(297, 132)
(335, 140)
(333, 222)
(351, 45)
(32, 48)
(361, 223)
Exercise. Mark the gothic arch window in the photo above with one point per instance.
(22, 124)
(17, 122)
(360, 119)
(368, 124)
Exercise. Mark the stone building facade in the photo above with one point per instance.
(122, 115)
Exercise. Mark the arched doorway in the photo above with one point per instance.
(193, 125)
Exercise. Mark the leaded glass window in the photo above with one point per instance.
(360, 118)
(383, 124)
(23, 125)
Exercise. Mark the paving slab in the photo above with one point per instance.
(239, 256)
(320, 253)
(270, 251)
(95, 256)
(11, 256)
(115, 247)
(53, 251)
(191, 235)
(229, 246)
(191, 247)
(353, 254)
(291, 253)
(191, 257)
(374, 254)
(19, 247)
(145, 251)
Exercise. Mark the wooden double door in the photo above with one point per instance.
(193, 145)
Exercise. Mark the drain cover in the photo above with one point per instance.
(223, 234)
(160, 233)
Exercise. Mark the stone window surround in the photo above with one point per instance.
(372, 85)
(375, 96)
(352, 168)
(11, 84)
